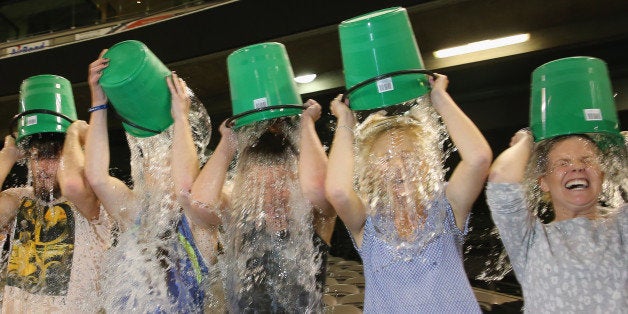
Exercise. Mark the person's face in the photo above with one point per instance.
(44, 170)
(276, 195)
(573, 178)
(395, 155)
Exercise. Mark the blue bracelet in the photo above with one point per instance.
(92, 109)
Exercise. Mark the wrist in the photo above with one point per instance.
(180, 117)
(96, 107)
(438, 93)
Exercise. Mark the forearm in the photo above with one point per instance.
(473, 148)
(207, 187)
(97, 149)
(185, 163)
(72, 178)
(7, 160)
(111, 192)
(339, 180)
(510, 166)
(312, 165)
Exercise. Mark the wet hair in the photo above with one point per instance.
(46, 145)
(427, 137)
(539, 161)
(269, 139)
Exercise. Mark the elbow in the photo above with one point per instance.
(203, 214)
(336, 195)
(314, 189)
(183, 187)
(481, 160)
(97, 182)
(499, 173)
(72, 188)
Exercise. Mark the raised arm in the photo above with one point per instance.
(339, 179)
(185, 164)
(9, 202)
(313, 170)
(208, 198)
(510, 165)
(469, 176)
(112, 192)
(71, 174)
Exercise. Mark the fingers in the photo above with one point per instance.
(96, 67)
(176, 84)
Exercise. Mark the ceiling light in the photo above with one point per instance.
(303, 79)
(481, 45)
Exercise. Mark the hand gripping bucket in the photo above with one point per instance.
(572, 96)
(262, 84)
(135, 83)
(381, 60)
(46, 105)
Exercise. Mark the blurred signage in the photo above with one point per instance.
(26, 48)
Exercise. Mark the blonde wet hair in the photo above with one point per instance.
(422, 126)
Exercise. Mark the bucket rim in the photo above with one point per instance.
(230, 122)
(383, 76)
(574, 58)
(372, 15)
(13, 123)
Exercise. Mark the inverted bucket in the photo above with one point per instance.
(135, 83)
(571, 96)
(46, 105)
(261, 83)
(381, 45)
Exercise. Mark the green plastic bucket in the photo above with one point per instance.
(571, 96)
(262, 84)
(46, 105)
(376, 47)
(135, 83)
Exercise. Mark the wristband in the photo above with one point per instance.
(92, 109)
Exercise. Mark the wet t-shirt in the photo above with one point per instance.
(275, 279)
(53, 259)
(571, 266)
(430, 280)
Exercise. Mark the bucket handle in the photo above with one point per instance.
(385, 75)
(13, 123)
(125, 121)
(230, 122)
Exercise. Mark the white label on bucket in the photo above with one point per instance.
(385, 85)
(260, 103)
(30, 120)
(592, 114)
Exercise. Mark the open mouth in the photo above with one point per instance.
(577, 184)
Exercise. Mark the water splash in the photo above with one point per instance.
(493, 254)
(146, 271)
(399, 173)
(270, 261)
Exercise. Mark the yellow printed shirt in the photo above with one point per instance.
(40, 261)
(54, 261)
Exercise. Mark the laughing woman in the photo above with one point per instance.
(577, 262)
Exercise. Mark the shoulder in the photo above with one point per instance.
(18, 193)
